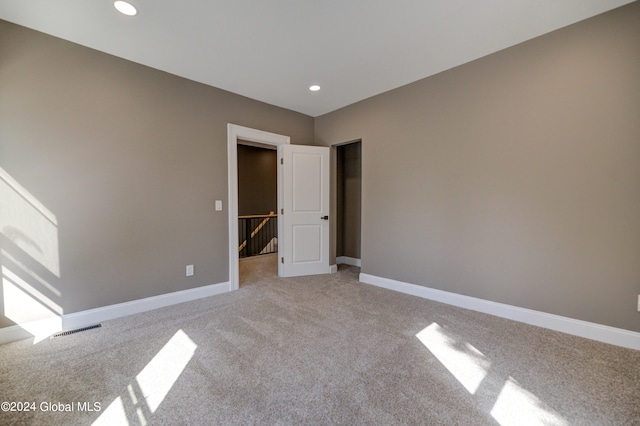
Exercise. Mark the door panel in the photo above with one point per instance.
(307, 243)
(305, 201)
(307, 171)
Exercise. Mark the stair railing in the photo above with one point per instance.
(258, 234)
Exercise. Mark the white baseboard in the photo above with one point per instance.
(333, 269)
(348, 261)
(105, 313)
(589, 330)
(15, 332)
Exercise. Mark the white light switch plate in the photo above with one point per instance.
(218, 205)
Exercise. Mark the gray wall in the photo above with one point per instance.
(514, 178)
(257, 180)
(129, 161)
(348, 199)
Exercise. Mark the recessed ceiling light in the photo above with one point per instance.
(125, 8)
(314, 88)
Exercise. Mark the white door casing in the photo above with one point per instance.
(304, 196)
(235, 132)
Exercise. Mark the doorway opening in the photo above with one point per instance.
(348, 202)
(260, 138)
(303, 195)
(257, 211)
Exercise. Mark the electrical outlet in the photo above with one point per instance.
(189, 270)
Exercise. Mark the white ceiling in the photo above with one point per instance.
(272, 50)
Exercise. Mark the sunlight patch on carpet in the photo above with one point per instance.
(153, 383)
(466, 363)
(517, 406)
(113, 415)
(514, 405)
(159, 376)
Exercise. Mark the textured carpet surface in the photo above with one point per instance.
(319, 350)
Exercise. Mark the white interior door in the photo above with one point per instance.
(304, 198)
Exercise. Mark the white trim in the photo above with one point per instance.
(15, 332)
(333, 268)
(348, 261)
(235, 132)
(603, 333)
(105, 313)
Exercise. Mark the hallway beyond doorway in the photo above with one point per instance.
(256, 268)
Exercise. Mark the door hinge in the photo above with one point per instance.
(282, 260)
(281, 211)
(282, 160)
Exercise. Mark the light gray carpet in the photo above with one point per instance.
(321, 350)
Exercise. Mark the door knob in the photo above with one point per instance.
(325, 218)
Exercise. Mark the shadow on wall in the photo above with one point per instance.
(30, 261)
